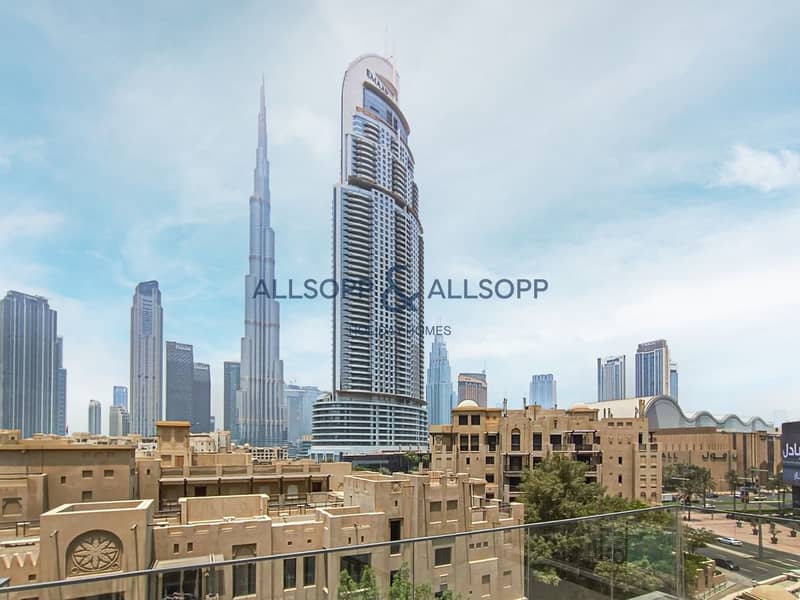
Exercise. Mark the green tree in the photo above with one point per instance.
(365, 589)
(401, 588)
(557, 489)
(732, 479)
(689, 481)
(697, 538)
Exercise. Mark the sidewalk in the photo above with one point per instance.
(724, 527)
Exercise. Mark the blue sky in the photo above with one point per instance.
(644, 159)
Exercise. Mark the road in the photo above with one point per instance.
(751, 567)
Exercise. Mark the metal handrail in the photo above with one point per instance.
(339, 549)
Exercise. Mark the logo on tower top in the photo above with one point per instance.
(382, 84)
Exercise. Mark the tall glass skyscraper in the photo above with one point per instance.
(299, 408)
(473, 386)
(95, 417)
(652, 368)
(262, 418)
(28, 364)
(119, 421)
(673, 380)
(147, 343)
(378, 330)
(121, 396)
(611, 378)
(543, 390)
(439, 388)
(60, 427)
(180, 381)
(231, 372)
(201, 398)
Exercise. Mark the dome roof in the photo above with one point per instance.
(468, 404)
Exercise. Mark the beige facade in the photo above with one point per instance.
(79, 540)
(46, 471)
(43, 472)
(499, 445)
(754, 454)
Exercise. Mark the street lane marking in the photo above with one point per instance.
(729, 551)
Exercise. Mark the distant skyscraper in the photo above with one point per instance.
(180, 382)
(472, 386)
(262, 419)
(611, 378)
(119, 421)
(147, 342)
(652, 369)
(28, 364)
(60, 427)
(439, 388)
(121, 396)
(378, 336)
(95, 417)
(231, 372)
(673, 380)
(201, 399)
(542, 391)
(299, 408)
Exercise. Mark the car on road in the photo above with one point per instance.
(726, 564)
(729, 541)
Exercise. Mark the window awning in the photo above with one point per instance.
(188, 561)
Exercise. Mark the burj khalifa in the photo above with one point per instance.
(262, 417)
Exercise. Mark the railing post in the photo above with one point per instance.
(760, 541)
(679, 578)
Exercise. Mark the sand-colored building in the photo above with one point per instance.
(749, 446)
(498, 445)
(43, 472)
(46, 471)
(81, 540)
(753, 455)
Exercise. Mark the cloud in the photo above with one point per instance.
(23, 150)
(26, 224)
(760, 169)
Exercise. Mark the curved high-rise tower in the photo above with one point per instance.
(262, 418)
(378, 331)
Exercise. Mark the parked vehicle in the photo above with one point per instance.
(729, 541)
(726, 564)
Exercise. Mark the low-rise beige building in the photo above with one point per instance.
(499, 445)
(43, 472)
(752, 455)
(88, 539)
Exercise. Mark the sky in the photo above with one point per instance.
(644, 159)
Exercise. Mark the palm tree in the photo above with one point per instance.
(733, 479)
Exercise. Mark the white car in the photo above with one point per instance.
(729, 541)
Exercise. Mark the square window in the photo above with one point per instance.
(176, 548)
(108, 472)
(86, 495)
(442, 556)
(86, 473)
(189, 546)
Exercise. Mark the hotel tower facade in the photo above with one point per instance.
(378, 331)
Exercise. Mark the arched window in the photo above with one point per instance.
(515, 437)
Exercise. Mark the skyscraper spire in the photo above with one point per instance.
(259, 401)
(261, 174)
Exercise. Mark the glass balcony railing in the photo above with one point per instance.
(627, 555)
